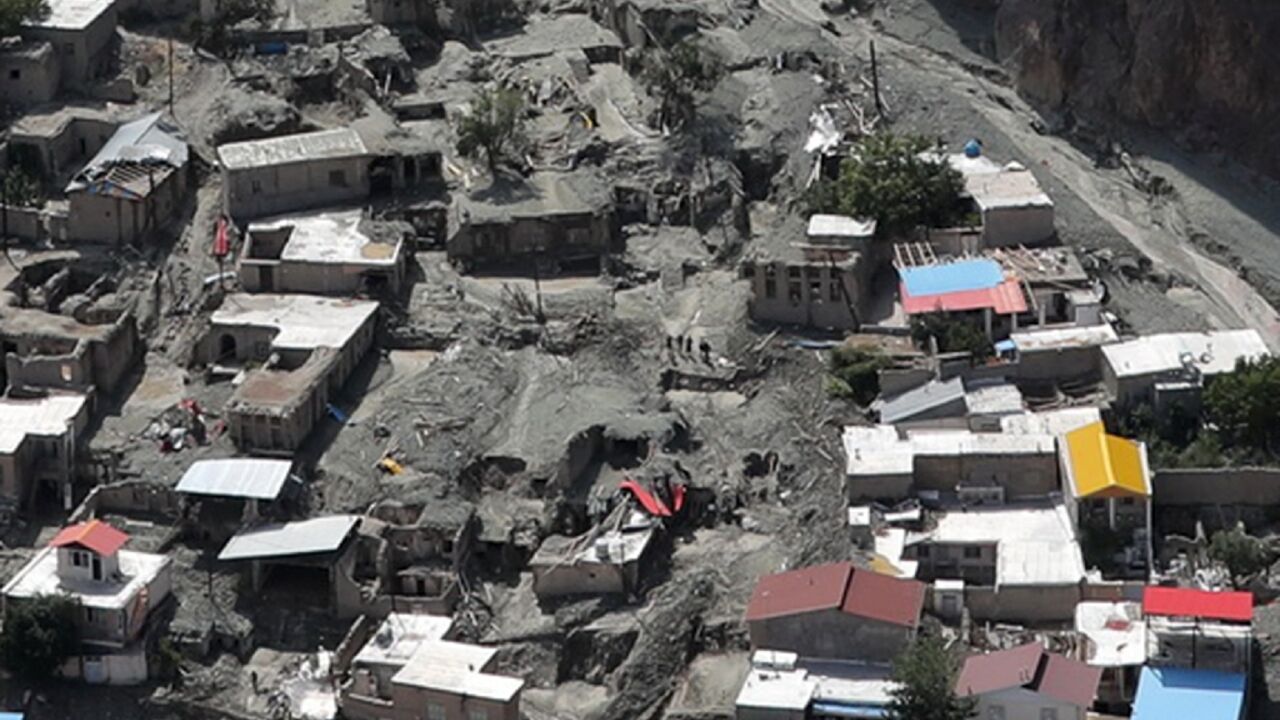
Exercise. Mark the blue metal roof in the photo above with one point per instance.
(960, 276)
(844, 710)
(10, 716)
(1168, 692)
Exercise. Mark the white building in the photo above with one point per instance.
(783, 686)
(116, 590)
(321, 253)
(1013, 208)
(294, 172)
(1137, 370)
(38, 441)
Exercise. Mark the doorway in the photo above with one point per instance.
(226, 347)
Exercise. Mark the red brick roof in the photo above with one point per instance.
(856, 591)
(93, 535)
(1029, 666)
(1188, 602)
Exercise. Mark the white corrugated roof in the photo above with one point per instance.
(453, 667)
(305, 322)
(879, 450)
(302, 147)
(1212, 352)
(1062, 338)
(302, 537)
(236, 477)
(840, 226)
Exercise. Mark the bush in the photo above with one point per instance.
(953, 335)
(494, 128)
(926, 674)
(14, 12)
(39, 634)
(1244, 405)
(855, 373)
(887, 178)
(1242, 554)
(676, 76)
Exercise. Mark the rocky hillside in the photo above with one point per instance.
(1202, 70)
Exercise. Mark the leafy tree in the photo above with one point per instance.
(1244, 405)
(926, 674)
(893, 179)
(676, 76)
(1240, 552)
(39, 635)
(20, 190)
(14, 12)
(953, 335)
(494, 129)
(855, 372)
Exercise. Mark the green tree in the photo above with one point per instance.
(676, 76)
(855, 372)
(1244, 405)
(1241, 553)
(494, 129)
(953, 335)
(39, 634)
(926, 675)
(20, 190)
(896, 181)
(14, 12)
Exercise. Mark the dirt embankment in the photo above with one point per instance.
(1201, 70)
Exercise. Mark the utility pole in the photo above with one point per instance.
(171, 75)
(875, 81)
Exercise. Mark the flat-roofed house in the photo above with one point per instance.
(293, 172)
(338, 252)
(28, 72)
(117, 590)
(81, 32)
(406, 670)
(1028, 683)
(310, 345)
(39, 437)
(1138, 370)
(835, 611)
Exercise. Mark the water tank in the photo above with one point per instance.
(973, 148)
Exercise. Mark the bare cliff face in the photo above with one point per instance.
(1205, 71)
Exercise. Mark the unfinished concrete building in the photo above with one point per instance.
(822, 281)
(132, 187)
(293, 172)
(556, 220)
(322, 253)
(82, 33)
(420, 549)
(308, 346)
(28, 72)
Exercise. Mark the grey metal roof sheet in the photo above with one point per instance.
(919, 400)
(255, 478)
(302, 537)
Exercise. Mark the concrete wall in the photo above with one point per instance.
(813, 297)
(25, 223)
(1010, 227)
(255, 192)
(106, 219)
(1022, 704)
(878, 487)
(579, 579)
(315, 278)
(123, 668)
(554, 238)
(831, 634)
(1060, 364)
(1216, 486)
(81, 54)
(1023, 604)
(402, 12)
(28, 77)
(130, 497)
(456, 706)
(1021, 475)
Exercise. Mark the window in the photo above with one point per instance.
(90, 615)
(812, 271)
(1048, 713)
(478, 715)
(748, 272)
(447, 547)
(793, 272)
(337, 178)
(995, 712)
(793, 291)
(255, 186)
(435, 711)
(836, 295)
(972, 552)
(815, 291)
(15, 74)
(770, 288)
(1127, 501)
(79, 559)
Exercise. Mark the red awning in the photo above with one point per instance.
(1188, 602)
(221, 243)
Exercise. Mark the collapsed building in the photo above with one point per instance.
(309, 346)
(604, 561)
(92, 352)
(417, 551)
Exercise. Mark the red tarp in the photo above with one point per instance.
(1005, 299)
(652, 504)
(221, 243)
(1187, 602)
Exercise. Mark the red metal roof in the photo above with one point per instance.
(820, 587)
(884, 598)
(93, 535)
(1005, 299)
(1029, 666)
(837, 586)
(1188, 602)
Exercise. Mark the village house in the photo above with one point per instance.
(55, 144)
(549, 221)
(51, 350)
(822, 281)
(954, 403)
(1171, 367)
(1199, 629)
(339, 252)
(39, 438)
(223, 495)
(315, 558)
(82, 33)
(28, 72)
(1028, 683)
(1171, 692)
(610, 562)
(418, 549)
(1060, 353)
(309, 347)
(293, 172)
(1011, 563)
(118, 591)
(1107, 485)
(132, 187)
(1115, 642)
(784, 686)
(883, 463)
(1008, 207)
(406, 670)
(835, 611)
